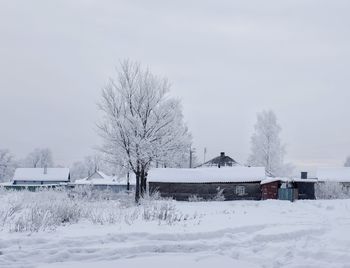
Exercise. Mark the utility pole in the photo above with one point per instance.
(192, 151)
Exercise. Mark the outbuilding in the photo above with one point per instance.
(228, 183)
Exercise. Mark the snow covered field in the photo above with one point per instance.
(204, 234)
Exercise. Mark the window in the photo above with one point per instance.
(240, 190)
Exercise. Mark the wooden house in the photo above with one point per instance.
(231, 183)
(220, 161)
(37, 177)
(101, 181)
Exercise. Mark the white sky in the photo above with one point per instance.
(227, 60)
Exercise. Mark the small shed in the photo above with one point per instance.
(101, 181)
(230, 183)
(41, 176)
(269, 189)
(299, 188)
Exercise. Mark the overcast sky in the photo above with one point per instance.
(227, 60)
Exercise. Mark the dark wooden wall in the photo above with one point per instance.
(112, 188)
(306, 190)
(207, 191)
(270, 190)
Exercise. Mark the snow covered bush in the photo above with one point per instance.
(25, 211)
(155, 208)
(152, 196)
(29, 211)
(195, 198)
(331, 190)
(219, 195)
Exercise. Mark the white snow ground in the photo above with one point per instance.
(235, 234)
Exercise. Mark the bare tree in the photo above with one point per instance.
(7, 165)
(141, 124)
(266, 147)
(39, 158)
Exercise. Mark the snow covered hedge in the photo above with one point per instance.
(331, 190)
(25, 211)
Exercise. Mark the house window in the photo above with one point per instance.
(240, 190)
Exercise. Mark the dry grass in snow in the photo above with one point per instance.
(25, 211)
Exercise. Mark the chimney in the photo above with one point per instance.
(221, 160)
(304, 175)
(45, 169)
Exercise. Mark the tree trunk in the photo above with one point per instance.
(143, 182)
(137, 189)
(128, 182)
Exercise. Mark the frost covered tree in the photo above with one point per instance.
(141, 124)
(266, 147)
(83, 169)
(93, 163)
(78, 170)
(39, 158)
(180, 160)
(347, 162)
(7, 165)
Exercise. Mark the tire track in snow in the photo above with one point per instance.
(231, 241)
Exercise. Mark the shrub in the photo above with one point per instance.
(219, 195)
(195, 198)
(24, 211)
(331, 190)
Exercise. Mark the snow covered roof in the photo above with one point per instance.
(39, 174)
(207, 175)
(104, 181)
(221, 160)
(100, 178)
(270, 179)
(98, 175)
(341, 174)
